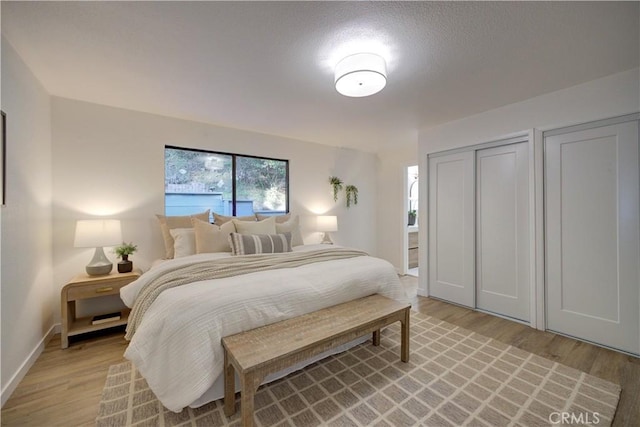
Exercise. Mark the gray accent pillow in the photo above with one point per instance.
(248, 244)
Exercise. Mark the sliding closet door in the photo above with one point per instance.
(502, 230)
(451, 228)
(592, 235)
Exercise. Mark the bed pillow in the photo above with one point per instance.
(266, 226)
(221, 219)
(169, 222)
(249, 244)
(184, 242)
(212, 238)
(292, 226)
(279, 218)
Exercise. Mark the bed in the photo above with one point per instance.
(176, 345)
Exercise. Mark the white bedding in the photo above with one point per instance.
(177, 345)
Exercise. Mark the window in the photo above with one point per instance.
(228, 184)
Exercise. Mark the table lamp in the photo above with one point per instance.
(327, 223)
(97, 233)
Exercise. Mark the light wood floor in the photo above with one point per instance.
(63, 387)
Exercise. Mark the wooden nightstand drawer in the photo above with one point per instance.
(413, 240)
(413, 257)
(91, 290)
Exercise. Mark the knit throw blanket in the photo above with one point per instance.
(226, 267)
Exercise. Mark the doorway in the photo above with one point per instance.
(412, 223)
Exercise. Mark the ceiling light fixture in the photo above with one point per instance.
(362, 74)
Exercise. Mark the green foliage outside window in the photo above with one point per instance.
(262, 181)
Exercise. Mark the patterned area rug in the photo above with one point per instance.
(455, 377)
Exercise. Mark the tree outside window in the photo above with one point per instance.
(196, 180)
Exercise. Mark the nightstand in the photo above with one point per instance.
(84, 287)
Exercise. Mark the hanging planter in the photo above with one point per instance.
(352, 194)
(336, 183)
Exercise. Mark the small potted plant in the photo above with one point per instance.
(412, 217)
(123, 251)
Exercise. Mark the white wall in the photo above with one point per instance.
(110, 162)
(28, 297)
(610, 96)
(392, 202)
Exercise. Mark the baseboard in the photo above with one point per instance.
(423, 293)
(27, 364)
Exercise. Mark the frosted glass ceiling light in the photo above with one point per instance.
(362, 74)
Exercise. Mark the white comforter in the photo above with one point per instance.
(177, 346)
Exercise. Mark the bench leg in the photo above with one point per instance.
(229, 386)
(376, 337)
(249, 383)
(404, 350)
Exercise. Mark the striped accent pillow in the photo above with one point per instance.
(248, 244)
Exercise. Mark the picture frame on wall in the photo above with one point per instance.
(3, 159)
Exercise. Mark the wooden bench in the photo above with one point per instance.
(272, 348)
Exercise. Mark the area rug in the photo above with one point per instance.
(455, 377)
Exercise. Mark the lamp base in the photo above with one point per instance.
(326, 239)
(98, 270)
(99, 265)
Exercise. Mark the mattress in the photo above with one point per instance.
(177, 346)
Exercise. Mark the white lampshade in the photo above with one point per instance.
(359, 75)
(94, 233)
(327, 223)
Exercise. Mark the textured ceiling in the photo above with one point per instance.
(268, 66)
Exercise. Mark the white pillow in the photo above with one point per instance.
(279, 218)
(266, 226)
(292, 226)
(221, 219)
(212, 238)
(184, 242)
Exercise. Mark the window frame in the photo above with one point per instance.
(233, 171)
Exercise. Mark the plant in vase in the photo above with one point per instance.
(412, 217)
(123, 251)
